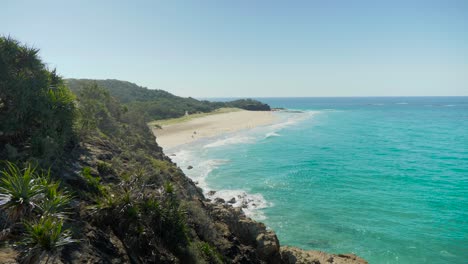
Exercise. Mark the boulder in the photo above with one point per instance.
(292, 255)
(220, 200)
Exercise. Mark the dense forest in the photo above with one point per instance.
(82, 180)
(159, 104)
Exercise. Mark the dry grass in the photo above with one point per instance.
(8, 255)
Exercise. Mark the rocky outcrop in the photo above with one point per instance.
(265, 243)
(291, 255)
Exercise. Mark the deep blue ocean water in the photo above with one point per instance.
(384, 178)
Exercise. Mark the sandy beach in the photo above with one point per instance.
(179, 133)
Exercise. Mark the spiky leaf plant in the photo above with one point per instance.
(19, 191)
(55, 202)
(43, 238)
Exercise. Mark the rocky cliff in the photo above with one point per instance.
(145, 210)
(225, 234)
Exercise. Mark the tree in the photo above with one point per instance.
(36, 108)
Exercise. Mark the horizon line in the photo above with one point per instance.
(353, 96)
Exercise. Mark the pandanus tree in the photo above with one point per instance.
(36, 108)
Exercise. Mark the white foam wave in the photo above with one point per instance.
(250, 203)
(272, 134)
(230, 141)
(199, 170)
(402, 103)
(293, 119)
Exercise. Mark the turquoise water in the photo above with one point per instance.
(384, 178)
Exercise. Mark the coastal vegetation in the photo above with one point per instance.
(159, 104)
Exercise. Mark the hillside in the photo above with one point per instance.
(83, 181)
(159, 104)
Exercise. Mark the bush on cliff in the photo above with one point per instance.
(36, 108)
(35, 208)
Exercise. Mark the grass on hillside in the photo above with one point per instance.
(171, 121)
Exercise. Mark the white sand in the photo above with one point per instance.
(177, 134)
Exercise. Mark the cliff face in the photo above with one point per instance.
(132, 204)
(221, 233)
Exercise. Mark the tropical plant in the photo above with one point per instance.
(43, 238)
(36, 108)
(55, 201)
(19, 191)
(94, 183)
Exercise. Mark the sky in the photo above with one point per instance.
(249, 48)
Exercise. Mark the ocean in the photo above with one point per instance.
(385, 178)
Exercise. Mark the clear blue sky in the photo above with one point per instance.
(253, 48)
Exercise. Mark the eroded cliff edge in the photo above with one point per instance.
(230, 236)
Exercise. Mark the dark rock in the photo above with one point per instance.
(232, 201)
(219, 200)
(211, 193)
(292, 255)
(189, 167)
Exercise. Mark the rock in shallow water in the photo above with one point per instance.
(219, 200)
(291, 255)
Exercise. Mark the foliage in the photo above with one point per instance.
(33, 199)
(168, 187)
(248, 104)
(144, 215)
(36, 108)
(161, 165)
(19, 191)
(209, 253)
(43, 237)
(151, 104)
(97, 110)
(94, 183)
(104, 168)
(55, 201)
(25, 193)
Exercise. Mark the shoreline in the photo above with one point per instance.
(180, 144)
(218, 129)
(190, 130)
(242, 208)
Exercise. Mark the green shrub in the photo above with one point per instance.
(168, 187)
(104, 168)
(43, 238)
(36, 108)
(55, 202)
(94, 183)
(210, 254)
(162, 165)
(19, 191)
(203, 253)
